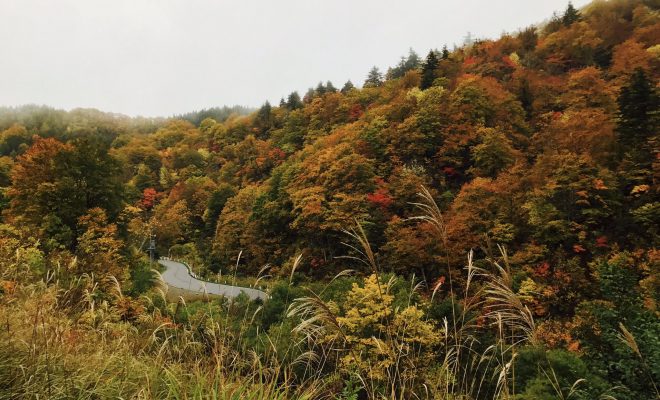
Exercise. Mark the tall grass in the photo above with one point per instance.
(76, 342)
(83, 338)
(464, 369)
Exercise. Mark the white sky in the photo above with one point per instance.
(162, 57)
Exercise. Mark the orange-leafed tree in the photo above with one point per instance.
(34, 178)
(628, 56)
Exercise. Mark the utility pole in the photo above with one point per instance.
(152, 247)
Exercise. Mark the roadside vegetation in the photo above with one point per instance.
(477, 223)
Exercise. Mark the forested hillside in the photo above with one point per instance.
(534, 159)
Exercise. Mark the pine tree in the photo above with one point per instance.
(264, 112)
(445, 52)
(374, 79)
(570, 15)
(329, 87)
(320, 89)
(348, 86)
(639, 111)
(413, 61)
(405, 64)
(263, 120)
(428, 70)
(293, 102)
(637, 134)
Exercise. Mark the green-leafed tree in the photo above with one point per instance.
(54, 184)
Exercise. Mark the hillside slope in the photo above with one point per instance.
(540, 150)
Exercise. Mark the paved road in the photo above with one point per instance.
(177, 275)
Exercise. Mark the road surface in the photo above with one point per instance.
(178, 276)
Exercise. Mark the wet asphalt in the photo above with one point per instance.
(176, 275)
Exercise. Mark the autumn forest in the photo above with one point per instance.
(475, 222)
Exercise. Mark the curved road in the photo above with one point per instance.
(177, 275)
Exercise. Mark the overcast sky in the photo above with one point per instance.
(162, 57)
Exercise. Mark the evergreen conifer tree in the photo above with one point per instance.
(348, 86)
(263, 120)
(637, 130)
(639, 112)
(570, 15)
(374, 79)
(445, 52)
(329, 87)
(428, 70)
(293, 102)
(320, 89)
(413, 61)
